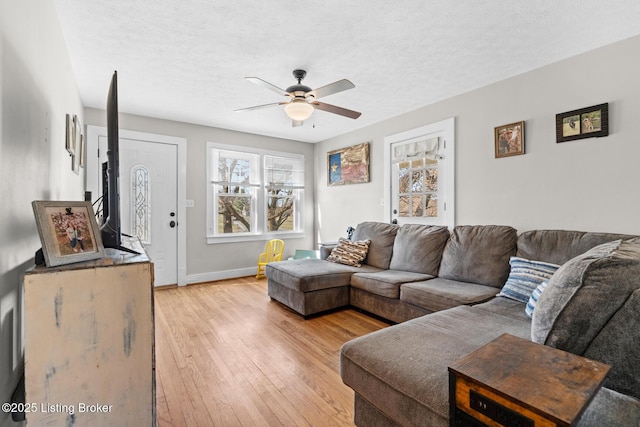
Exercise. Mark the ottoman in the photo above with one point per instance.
(310, 286)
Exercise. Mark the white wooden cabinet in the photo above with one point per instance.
(89, 343)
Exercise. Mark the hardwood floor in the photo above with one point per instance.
(228, 356)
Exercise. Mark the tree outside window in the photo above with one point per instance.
(254, 193)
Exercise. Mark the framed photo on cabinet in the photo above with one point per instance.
(68, 231)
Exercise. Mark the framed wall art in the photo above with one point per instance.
(509, 139)
(68, 231)
(77, 145)
(69, 137)
(583, 123)
(348, 165)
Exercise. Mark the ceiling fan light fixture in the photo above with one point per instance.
(298, 109)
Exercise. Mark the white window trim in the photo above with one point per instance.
(259, 234)
(445, 127)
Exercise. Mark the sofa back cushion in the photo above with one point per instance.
(590, 307)
(382, 236)
(479, 254)
(559, 246)
(418, 248)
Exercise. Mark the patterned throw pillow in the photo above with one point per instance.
(533, 299)
(525, 276)
(349, 253)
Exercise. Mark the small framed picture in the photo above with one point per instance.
(68, 231)
(77, 145)
(583, 123)
(70, 138)
(509, 139)
(83, 151)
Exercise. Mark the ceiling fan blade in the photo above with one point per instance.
(259, 107)
(336, 110)
(267, 85)
(296, 123)
(332, 88)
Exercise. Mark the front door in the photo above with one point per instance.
(148, 197)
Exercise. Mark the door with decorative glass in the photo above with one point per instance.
(420, 171)
(148, 198)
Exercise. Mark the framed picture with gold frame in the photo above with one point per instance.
(509, 139)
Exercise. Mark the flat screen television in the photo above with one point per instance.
(110, 229)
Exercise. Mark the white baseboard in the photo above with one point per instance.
(220, 275)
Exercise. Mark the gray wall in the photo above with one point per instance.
(210, 262)
(37, 88)
(589, 184)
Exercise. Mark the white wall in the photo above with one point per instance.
(589, 184)
(213, 262)
(37, 88)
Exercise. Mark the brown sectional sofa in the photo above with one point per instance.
(442, 286)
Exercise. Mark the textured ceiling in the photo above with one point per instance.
(186, 60)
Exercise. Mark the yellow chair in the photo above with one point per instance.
(272, 252)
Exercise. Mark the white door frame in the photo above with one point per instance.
(93, 174)
(445, 127)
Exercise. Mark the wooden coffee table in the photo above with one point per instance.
(514, 382)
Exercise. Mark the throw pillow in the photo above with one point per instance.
(349, 253)
(533, 299)
(524, 277)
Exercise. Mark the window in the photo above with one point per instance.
(253, 194)
(140, 204)
(235, 183)
(284, 180)
(420, 173)
(416, 178)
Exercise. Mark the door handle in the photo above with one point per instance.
(172, 224)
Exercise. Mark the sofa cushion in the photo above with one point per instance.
(349, 252)
(505, 307)
(306, 275)
(418, 248)
(559, 246)
(402, 369)
(524, 277)
(590, 308)
(440, 294)
(382, 236)
(385, 283)
(479, 254)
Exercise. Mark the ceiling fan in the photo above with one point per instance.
(303, 100)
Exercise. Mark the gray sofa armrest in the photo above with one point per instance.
(326, 248)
